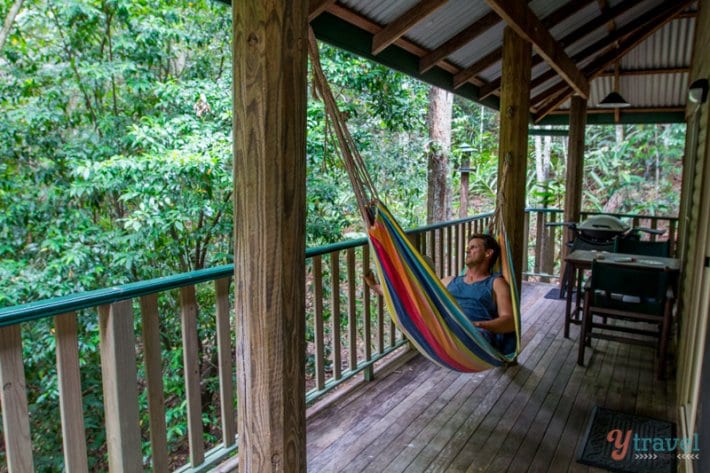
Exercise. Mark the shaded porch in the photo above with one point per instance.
(529, 417)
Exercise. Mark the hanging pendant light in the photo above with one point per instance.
(614, 100)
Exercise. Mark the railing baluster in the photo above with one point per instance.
(440, 247)
(68, 375)
(380, 325)
(539, 239)
(335, 310)
(461, 230)
(13, 400)
(393, 333)
(654, 225)
(154, 382)
(120, 386)
(188, 317)
(672, 236)
(449, 251)
(366, 315)
(224, 360)
(318, 321)
(352, 312)
(548, 257)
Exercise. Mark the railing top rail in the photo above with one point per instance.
(596, 212)
(84, 300)
(344, 245)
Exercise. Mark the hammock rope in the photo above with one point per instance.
(417, 300)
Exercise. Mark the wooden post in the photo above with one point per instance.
(575, 169)
(269, 50)
(513, 154)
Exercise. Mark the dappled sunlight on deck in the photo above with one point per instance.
(529, 417)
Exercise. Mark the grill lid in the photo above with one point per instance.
(603, 223)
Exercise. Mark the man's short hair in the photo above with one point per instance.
(489, 243)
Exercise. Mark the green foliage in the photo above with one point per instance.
(639, 173)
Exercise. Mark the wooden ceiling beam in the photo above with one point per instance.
(404, 23)
(557, 16)
(568, 40)
(519, 17)
(470, 72)
(316, 7)
(599, 111)
(644, 26)
(601, 45)
(646, 72)
(460, 40)
(373, 28)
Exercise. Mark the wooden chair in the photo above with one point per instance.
(618, 294)
(642, 247)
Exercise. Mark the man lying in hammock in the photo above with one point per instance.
(483, 297)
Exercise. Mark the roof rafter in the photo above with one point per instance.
(601, 45)
(646, 72)
(568, 40)
(316, 7)
(348, 15)
(557, 16)
(521, 19)
(404, 23)
(459, 41)
(645, 26)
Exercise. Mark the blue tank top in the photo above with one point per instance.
(476, 299)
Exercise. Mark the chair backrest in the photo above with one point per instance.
(646, 284)
(642, 247)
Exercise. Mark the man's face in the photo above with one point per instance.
(475, 251)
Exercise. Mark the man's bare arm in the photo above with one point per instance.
(505, 322)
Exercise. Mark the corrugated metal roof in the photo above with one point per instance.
(669, 47)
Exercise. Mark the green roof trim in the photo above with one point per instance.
(341, 34)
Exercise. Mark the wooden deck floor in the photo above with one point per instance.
(529, 417)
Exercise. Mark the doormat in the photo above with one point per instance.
(553, 293)
(627, 443)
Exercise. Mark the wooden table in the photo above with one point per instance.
(579, 260)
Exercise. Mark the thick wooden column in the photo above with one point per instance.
(513, 150)
(575, 168)
(270, 46)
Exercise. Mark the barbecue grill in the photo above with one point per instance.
(598, 231)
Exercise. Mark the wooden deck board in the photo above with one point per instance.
(530, 417)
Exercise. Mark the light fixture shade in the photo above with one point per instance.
(614, 100)
(698, 91)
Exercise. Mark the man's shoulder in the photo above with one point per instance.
(447, 280)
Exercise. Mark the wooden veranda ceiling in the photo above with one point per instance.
(579, 46)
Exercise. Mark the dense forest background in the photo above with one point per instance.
(116, 160)
(115, 147)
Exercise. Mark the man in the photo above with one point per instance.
(483, 297)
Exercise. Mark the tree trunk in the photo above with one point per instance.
(9, 20)
(439, 188)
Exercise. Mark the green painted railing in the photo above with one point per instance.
(348, 334)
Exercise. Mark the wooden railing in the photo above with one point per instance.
(347, 334)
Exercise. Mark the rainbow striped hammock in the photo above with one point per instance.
(418, 302)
